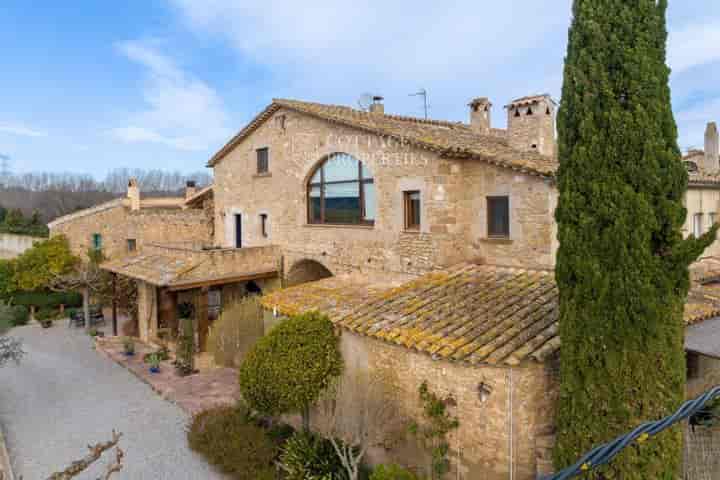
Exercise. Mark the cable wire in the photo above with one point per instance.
(605, 453)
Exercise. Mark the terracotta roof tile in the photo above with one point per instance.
(479, 314)
(456, 140)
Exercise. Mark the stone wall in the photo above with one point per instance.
(508, 430)
(298, 143)
(533, 231)
(12, 245)
(117, 224)
(707, 202)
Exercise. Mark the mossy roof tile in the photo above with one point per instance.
(479, 314)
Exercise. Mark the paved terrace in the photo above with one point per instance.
(65, 395)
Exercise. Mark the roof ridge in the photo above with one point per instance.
(392, 116)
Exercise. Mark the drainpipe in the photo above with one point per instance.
(511, 457)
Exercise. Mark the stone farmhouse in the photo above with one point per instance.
(431, 245)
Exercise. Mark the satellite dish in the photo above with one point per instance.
(365, 100)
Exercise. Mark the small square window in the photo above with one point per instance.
(264, 225)
(97, 241)
(262, 160)
(412, 210)
(698, 224)
(498, 210)
(131, 245)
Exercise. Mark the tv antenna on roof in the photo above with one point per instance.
(365, 100)
(422, 93)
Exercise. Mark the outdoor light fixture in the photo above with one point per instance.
(484, 391)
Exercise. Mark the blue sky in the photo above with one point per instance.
(163, 83)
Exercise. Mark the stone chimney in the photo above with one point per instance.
(531, 124)
(133, 194)
(190, 189)
(711, 162)
(377, 105)
(480, 109)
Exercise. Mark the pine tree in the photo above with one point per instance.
(622, 266)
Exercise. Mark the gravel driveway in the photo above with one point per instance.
(64, 395)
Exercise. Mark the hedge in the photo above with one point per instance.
(46, 300)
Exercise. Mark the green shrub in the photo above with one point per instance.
(19, 315)
(225, 438)
(392, 472)
(47, 314)
(307, 456)
(43, 300)
(288, 369)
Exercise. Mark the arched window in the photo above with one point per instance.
(342, 192)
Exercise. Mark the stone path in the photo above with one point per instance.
(65, 395)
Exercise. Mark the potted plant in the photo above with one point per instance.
(154, 361)
(128, 346)
(45, 318)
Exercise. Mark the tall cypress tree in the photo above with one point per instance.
(622, 266)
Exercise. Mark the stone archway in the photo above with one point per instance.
(307, 270)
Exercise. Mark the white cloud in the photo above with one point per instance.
(694, 45)
(181, 111)
(333, 50)
(21, 130)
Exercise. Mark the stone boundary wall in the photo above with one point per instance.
(13, 245)
(6, 472)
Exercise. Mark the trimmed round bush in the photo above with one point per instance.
(235, 446)
(287, 370)
(392, 472)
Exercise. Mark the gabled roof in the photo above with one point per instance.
(199, 195)
(448, 139)
(478, 314)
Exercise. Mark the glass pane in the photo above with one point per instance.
(341, 167)
(314, 204)
(316, 177)
(366, 173)
(415, 209)
(342, 203)
(499, 217)
(370, 201)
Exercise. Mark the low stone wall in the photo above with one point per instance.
(6, 472)
(13, 245)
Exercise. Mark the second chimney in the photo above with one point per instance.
(377, 105)
(712, 148)
(190, 189)
(480, 109)
(133, 194)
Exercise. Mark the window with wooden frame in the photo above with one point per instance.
(263, 225)
(341, 191)
(411, 201)
(698, 224)
(97, 241)
(263, 160)
(498, 214)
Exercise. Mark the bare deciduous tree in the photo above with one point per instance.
(358, 413)
(86, 277)
(93, 456)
